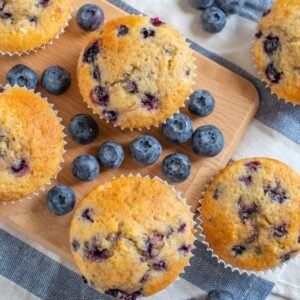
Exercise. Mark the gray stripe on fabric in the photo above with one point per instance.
(276, 114)
(254, 9)
(201, 274)
(39, 274)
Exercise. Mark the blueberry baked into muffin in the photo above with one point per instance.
(135, 71)
(131, 236)
(29, 24)
(277, 49)
(31, 143)
(250, 214)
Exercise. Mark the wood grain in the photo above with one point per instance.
(237, 102)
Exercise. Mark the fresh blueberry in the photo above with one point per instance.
(145, 150)
(85, 168)
(56, 80)
(213, 20)
(178, 129)
(201, 4)
(219, 295)
(208, 141)
(201, 103)
(22, 76)
(90, 17)
(231, 6)
(111, 154)
(83, 129)
(176, 167)
(60, 200)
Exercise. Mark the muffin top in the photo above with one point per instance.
(31, 143)
(251, 214)
(135, 71)
(131, 236)
(277, 49)
(28, 24)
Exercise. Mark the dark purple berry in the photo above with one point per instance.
(93, 251)
(43, 3)
(156, 21)
(123, 30)
(266, 13)
(100, 96)
(276, 192)
(33, 19)
(122, 295)
(246, 211)
(280, 231)
(132, 87)
(273, 74)
(87, 214)
(238, 250)
(271, 44)
(84, 279)
(91, 52)
(75, 245)
(299, 239)
(253, 165)
(252, 238)
(217, 192)
(258, 34)
(154, 243)
(2, 89)
(184, 249)
(96, 73)
(20, 168)
(144, 278)
(247, 179)
(147, 32)
(159, 265)
(181, 228)
(149, 101)
(5, 15)
(110, 116)
(90, 17)
(287, 256)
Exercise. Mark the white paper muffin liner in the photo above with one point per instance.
(41, 47)
(183, 200)
(202, 238)
(157, 125)
(266, 83)
(43, 188)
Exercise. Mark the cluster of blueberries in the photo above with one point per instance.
(215, 12)
(206, 141)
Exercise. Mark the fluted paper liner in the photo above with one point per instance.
(43, 188)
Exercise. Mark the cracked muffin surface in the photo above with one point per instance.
(28, 24)
(135, 71)
(131, 236)
(31, 143)
(251, 214)
(276, 49)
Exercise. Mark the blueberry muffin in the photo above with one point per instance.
(131, 236)
(29, 24)
(277, 49)
(31, 143)
(135, 72)
(250, 214)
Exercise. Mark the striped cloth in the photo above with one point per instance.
(27, 271)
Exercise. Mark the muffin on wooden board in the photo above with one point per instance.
(29, 24)
(135, 72)
(131, 236)
(31, 143)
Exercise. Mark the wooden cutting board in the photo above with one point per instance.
(237, 102)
